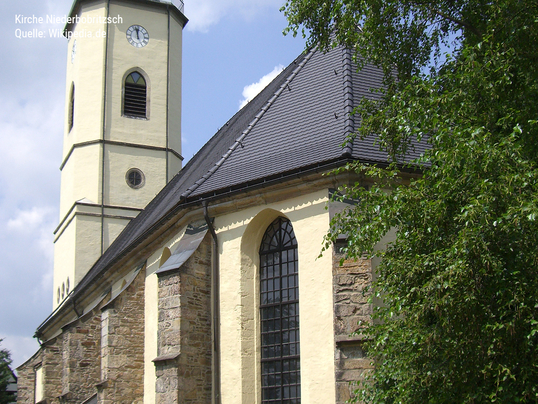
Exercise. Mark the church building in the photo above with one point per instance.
(214, 290)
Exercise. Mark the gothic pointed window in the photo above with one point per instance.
(279, 314)
(135, 96)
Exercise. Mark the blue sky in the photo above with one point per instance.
(229, 46)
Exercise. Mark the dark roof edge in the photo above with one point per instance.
(284, 176)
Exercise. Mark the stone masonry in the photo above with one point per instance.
(26, 379)
(101, 352)
(81, 359)
(70, 365)
(350, 307)
(49, 358)
(183, 366)
(122, 346)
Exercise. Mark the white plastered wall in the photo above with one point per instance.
(82, 174)
(75, 250)
(118, 160)
(81, 177)
(112, 227)
(239, 235)
(151, 60)
(64, 253)
(39, 388)
(86, 72)
(76, 247)
(174, 97)
(88, 244)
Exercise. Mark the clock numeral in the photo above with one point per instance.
(137, 36)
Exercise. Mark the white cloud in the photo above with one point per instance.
(36, 224)
(252, 90)
(204, 13)
(28, 220)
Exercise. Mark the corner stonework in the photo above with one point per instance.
(81, 359)
(351, 306)
(122, 346)
(183, 367)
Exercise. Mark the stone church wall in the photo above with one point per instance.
(52, 370)
(26, 379)
(350, 306)
(49, 359)
(122, 346)
(103, 351)
(80, 358)
(183, 367)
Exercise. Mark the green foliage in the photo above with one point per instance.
(459, 284)
(5, 374)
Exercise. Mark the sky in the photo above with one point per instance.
(231, 49)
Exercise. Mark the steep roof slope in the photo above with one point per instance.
(299, 121)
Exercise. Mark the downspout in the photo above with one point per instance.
(104, 135)
(75, 308)
(168, 97)
(216, 307)
(37, 336)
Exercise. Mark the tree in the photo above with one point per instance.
(459, 320)
(5, 375)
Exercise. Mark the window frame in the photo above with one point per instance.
(128, 90)
(141, 179)
(279, 308)
(71, 109)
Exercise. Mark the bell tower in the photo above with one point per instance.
(122, 137)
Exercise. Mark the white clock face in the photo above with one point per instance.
(73, 51)
(137, 36)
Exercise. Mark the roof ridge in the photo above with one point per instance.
(349, 123)
(259, 115)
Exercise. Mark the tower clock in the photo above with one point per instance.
(122, 138)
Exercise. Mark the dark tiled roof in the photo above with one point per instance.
(299, 120)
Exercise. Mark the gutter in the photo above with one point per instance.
(216, 306)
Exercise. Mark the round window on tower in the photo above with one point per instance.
(135, 178)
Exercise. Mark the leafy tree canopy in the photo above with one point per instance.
(460, 282)
(5, 375)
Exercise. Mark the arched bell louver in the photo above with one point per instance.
(135, 96)
(279, 314)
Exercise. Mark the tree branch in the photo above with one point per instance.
(462, 23)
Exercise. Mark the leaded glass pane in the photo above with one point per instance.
(279, 310)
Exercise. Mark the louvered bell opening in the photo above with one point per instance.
(135, 100)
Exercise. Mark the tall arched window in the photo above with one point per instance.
(71, 112)
(134, 96)
(279, 313)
